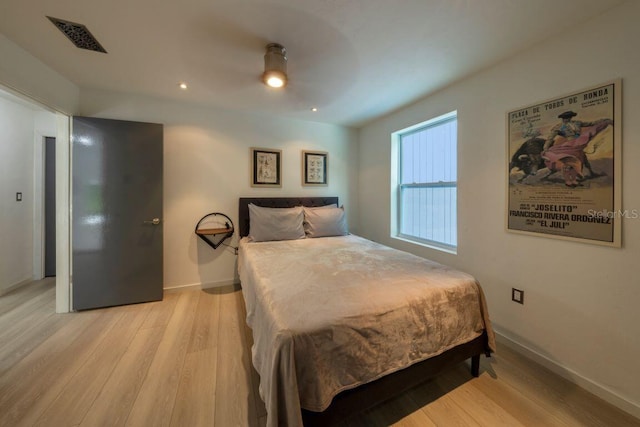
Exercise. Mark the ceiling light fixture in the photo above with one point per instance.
(275, 66)
(183, 86)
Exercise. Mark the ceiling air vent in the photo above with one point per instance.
(78, 34)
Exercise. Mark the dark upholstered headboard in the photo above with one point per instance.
(276, 202)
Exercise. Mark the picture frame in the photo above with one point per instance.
(564, 167)
(315, 168)
(266, 167)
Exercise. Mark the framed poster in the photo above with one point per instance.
(266, 167)
(564, 167)
(314, 168)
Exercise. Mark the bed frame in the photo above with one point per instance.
(369, 395)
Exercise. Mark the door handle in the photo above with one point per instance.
(154, 221)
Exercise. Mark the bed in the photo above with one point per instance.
(341, 323)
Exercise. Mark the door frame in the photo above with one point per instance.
(38, 204)
(63, 213)
(63, 210)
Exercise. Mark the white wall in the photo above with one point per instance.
(21, 71)
(582, 302)
(16, 169)
(206, 169)
(24, 127)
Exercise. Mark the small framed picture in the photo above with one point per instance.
(314, 168)
(266, 167)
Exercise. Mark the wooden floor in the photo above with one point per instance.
(185, 361)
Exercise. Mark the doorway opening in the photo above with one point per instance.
(32, 246)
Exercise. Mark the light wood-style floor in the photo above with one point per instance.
(185, 361)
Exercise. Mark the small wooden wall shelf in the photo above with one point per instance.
(213, 231)
(224, 232)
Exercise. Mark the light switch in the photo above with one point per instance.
(18, 197)
(517, 295)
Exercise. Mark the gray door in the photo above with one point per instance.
(117, 212)
(49, 206)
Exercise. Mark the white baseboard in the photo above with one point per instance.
(569, 374)
(15, 286)
(203, 285)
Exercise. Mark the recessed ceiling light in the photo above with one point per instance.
(183, 86)
(314, 109)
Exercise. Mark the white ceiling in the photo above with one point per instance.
(354, 60)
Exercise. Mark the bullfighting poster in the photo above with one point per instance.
(564, 166)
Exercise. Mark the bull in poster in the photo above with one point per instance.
(564, 168)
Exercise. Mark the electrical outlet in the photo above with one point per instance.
(517, 295)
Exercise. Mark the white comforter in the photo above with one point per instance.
(332, 313)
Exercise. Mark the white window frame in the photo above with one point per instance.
(396, 186)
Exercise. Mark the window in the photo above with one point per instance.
(426, 183)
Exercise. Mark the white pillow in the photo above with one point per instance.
(267, 224)
(322, 207)
(325, 222)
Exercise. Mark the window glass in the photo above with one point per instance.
(427, 182)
